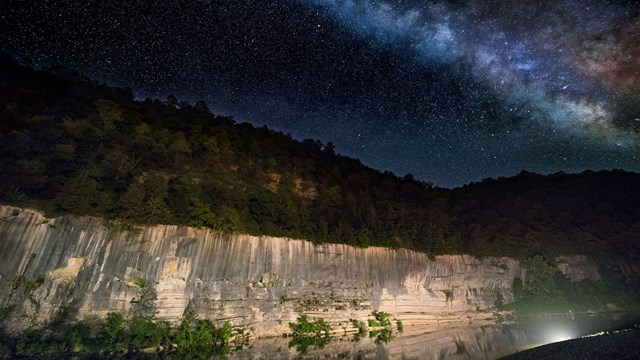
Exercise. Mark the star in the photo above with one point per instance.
(449, 91)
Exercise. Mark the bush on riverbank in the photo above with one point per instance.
(116, 336)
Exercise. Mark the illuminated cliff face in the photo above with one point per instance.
(261, 282)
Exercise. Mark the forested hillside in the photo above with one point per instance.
(71, 145)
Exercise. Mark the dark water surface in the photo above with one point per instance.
(464, 342)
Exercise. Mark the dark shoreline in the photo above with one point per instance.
(619, 346)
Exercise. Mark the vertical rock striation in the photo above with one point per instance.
(88, 265)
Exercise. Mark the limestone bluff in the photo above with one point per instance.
(260, 283)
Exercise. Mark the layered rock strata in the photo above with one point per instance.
(93, 267)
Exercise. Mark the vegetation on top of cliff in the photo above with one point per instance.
(71, 145)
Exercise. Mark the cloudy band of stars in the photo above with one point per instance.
(449, 91)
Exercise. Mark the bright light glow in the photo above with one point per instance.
(552, 335)
(558, 334)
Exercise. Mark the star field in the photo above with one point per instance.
(450, 91)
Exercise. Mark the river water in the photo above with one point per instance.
(462, 342)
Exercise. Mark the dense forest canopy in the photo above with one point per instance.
(71, 145)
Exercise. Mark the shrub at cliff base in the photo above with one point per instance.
(194, 338)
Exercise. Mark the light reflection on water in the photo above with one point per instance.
(468, 342)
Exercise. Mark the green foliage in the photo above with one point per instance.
(146, 331)
(31, 285)
(63, 314)
(303, 327)
(141, 283)
(131, 202)
(382, 320)
(201, 214)
(79, 338)
(307, 333)
(382, 336)
(546, 291)
(57, 339)
(540, 286)
(112, 332)
(539, 294)
(518, 290)
(382, 327)
(364, 239)
(68, 145)
(109, 112)
(185, 333)
(34, 342)
(303, 343)
(201, 338)
(116, 336)
(50, 342)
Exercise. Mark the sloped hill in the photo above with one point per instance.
(71, 145)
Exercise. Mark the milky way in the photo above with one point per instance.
(550, 59)
(451, 91)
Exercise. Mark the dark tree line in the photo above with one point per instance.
(71, 145)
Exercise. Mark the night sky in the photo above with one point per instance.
(450, 91)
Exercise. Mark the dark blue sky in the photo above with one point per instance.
(450, 91)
